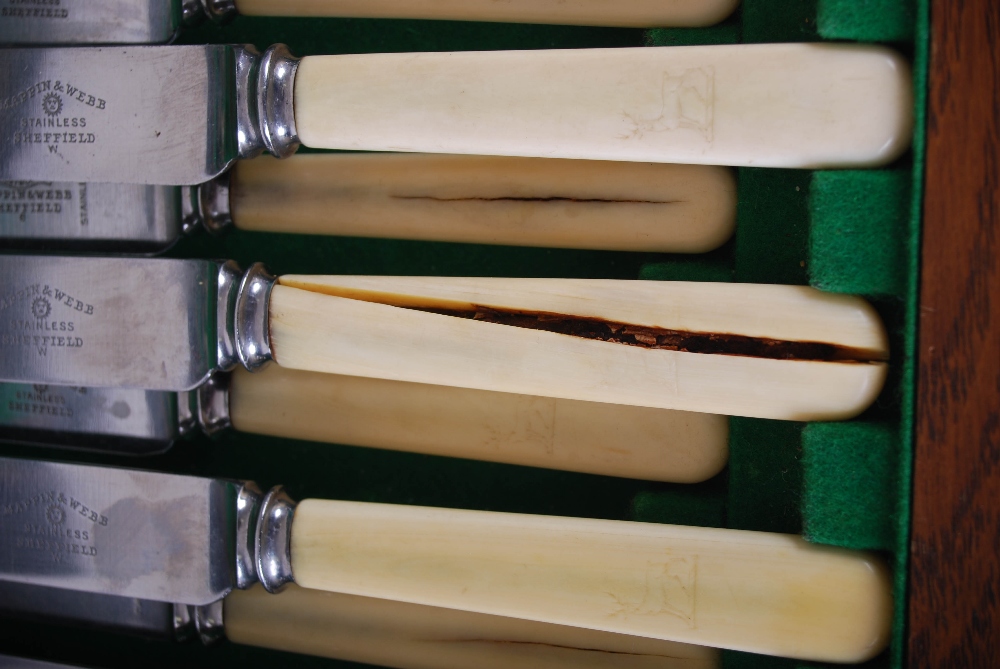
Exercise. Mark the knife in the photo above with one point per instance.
(488, 200)
(590, 437)
(157, 21)
(191, 540)
(359, 629)
(785, 352)
(179, 115)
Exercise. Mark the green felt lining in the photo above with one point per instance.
(852, 231)
(858, 219)
(867, 20)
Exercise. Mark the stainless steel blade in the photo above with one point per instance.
(127, 615)
(113, 420)
(108, 322)
(120, 532)
(155, 115)
(130, 218)
(89, 21)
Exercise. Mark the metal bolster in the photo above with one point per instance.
(248, 509)
(251, 317)
(273, 545)
(265, 114)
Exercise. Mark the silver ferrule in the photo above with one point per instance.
(195, 11)
(204, 621)
(206, 206)
(274, 540)
(209, 623)
(228, 282)
(183, 622)
(213, 403)
(251, 318)
(187, 412)
(265, 114)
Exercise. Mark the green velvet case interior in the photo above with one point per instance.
(846, 484)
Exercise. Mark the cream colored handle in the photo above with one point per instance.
(763, 105)
(623, 13)
(582, 204)
(372, 327)
(751, 591)
(410, 636)
(609, 439)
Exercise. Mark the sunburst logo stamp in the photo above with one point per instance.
(52, 104)
(55, 514)
(40, 307)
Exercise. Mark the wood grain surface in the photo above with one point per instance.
(954, 611)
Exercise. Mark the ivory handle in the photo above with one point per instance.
(580, 204)
(627, 13)
(357, 337)
(763, 105)
(410, 636)
(608, 439)
(750, 591)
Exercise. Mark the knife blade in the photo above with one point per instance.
(179, 115)
(489, 200)
(89, 217)
(111, 420)
(589, 437)
(786, 352)
(189, 540)
(359, 629)
(157, 21)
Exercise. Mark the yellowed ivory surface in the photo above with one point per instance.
(411, 636)
(624, 13)
(787, 313)
(591, 437)
(489, 200)
(323, 333)
(764, 105)
(751, 591)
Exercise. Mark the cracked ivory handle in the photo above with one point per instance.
(762, 105)
(615, 206)
(372, 326)
(750, 591)
(623, 13)
(590, 437)
(411, 636)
